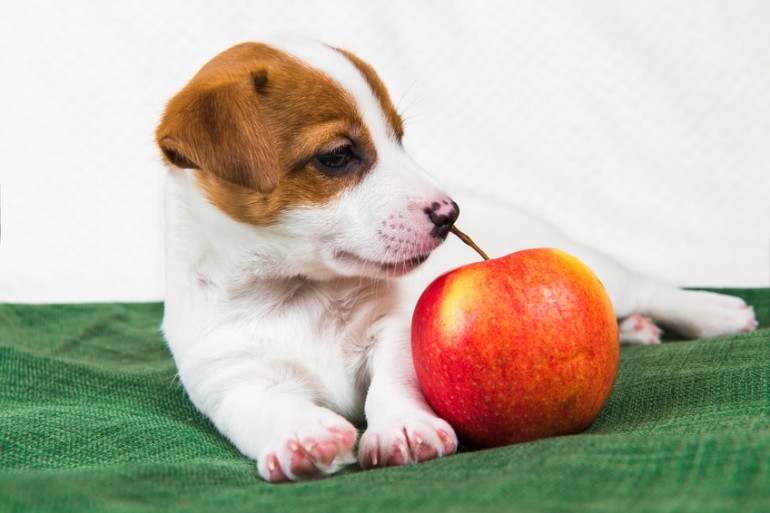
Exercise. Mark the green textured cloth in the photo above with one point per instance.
(92, 418)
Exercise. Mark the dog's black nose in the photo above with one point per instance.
(443, 215)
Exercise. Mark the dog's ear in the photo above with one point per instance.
(221, 130)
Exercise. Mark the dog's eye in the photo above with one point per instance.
(337, 161)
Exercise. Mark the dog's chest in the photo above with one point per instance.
(322, 333)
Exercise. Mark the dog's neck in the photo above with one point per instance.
(333, 298)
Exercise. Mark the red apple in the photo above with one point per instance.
(516, 348)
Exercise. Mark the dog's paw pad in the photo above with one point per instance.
(422, 439)
(319, 448)
(639, 330)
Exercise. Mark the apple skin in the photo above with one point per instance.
(516, 348)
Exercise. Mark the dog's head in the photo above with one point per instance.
(303, 143)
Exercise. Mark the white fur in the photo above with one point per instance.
(286, 335)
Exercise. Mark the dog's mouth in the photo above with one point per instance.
(396, 268)
(406, 265)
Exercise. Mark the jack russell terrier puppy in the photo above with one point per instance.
(292, 208)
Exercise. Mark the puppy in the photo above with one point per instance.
(292, 209)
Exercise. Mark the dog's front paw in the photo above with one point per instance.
(418, 437)
(316, 445)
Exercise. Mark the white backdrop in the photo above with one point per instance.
(641, 128)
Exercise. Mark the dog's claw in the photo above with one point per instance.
(275, 472)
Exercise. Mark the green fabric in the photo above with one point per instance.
(93, 419)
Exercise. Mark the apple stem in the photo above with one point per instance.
(469, 242)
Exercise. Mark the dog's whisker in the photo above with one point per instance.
(407, 116)
(404, 96)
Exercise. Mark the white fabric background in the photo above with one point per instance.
(641, 128)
